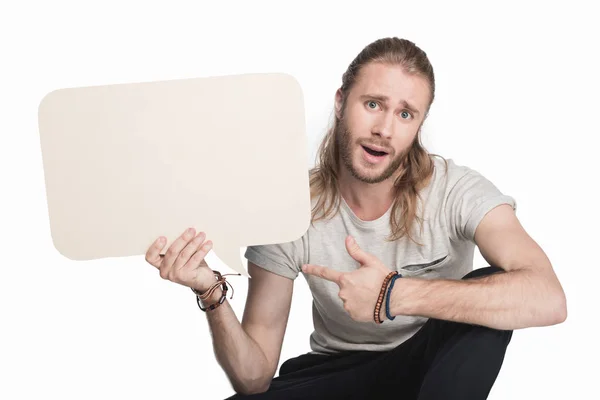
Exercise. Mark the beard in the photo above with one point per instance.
(343, 136)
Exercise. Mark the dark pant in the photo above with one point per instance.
(443, 360)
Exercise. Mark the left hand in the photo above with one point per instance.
(359, 289)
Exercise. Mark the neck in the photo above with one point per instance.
(368, 201)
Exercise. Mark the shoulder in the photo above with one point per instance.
(466, 196)
(447, 172)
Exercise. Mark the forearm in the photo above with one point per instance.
(510, 300)
(238, 354)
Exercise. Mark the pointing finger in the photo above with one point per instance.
(323, 272)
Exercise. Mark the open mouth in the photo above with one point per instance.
(374, 152)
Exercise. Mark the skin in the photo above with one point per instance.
(248, 351)
(367, 119)
(528, 294)
(183, 262)
(389, 124)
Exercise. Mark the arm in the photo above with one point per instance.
(527, 294)
(249, 352)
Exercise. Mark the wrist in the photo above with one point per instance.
(213, 298)
(382, 313)
(388, 310)
(205, 282)
(380, 305)
(215, 295)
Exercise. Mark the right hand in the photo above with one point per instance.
(183, 261)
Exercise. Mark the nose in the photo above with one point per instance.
(384, 125)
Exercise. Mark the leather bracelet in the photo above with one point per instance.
(221, 281)
(211, 289)
(377, 311)
(217, 304)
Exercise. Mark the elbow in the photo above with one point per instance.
(558, 313)
(254, 386)
(254, 390)
(561, 309)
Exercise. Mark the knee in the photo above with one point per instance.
(491, 338)
(474, 336)
(468, 363)
(480, 342)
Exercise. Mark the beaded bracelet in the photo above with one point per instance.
(389, 293)
(377, 311)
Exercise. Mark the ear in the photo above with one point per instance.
(338, 103)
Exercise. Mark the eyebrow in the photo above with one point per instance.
(385, 99)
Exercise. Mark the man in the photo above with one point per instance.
(382, 204)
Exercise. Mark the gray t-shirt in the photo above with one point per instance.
(453, 204)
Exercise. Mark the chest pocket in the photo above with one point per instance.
(425, 267)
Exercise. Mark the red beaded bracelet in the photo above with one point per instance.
(377, 312)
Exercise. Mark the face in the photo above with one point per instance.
(383, 114)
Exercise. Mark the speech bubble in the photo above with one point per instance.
(127, 163)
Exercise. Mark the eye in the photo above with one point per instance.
(405, 114)
(371, 104)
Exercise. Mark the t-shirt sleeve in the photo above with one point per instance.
(283, 259)
(468, 201)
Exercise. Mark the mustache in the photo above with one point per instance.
(380, 145)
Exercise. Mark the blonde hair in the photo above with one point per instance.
(417, 166)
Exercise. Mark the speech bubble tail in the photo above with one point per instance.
(242, 270)
(244, 262)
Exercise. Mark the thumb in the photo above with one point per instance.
(355, 251)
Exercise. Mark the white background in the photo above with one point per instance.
(517, 100)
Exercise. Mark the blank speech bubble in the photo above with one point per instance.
(127, 163)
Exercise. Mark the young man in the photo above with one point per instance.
(382, 203)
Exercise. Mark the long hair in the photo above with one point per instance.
(417, 166)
